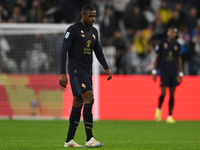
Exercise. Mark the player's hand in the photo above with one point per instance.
(109, 74)
(180, 79)
(154, 77)
(63, 80)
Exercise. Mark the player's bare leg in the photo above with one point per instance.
(88, 119)
(74, 122)
(161, 98)
(171, 105)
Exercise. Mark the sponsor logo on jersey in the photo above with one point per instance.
(82, 31)
(83, 85)
(88, 43)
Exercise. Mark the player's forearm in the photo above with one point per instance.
(63, 59)
(102, 60)
(180, 64)
(156, 61)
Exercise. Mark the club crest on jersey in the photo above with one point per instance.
(175, 48)
(82, 31)
(67, 35)
(94, 36)
(165, 45)
(82, 35)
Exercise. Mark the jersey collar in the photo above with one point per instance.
(82, 27)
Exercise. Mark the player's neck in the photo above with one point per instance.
(170, 40)
(86, 26)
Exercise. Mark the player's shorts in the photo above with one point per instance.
(167, 80)
(80, 83)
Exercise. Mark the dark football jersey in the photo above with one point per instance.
(168, 53)
(80, 44)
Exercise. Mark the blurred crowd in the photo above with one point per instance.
(133, 27)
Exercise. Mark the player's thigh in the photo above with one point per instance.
(80, 83)
(173, 81)
(163, 90)
(172, 90)
(164, 80)
(77, 101)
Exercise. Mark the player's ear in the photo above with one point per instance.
(82, 16)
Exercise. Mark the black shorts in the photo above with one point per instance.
(80, 83)
(167, 80)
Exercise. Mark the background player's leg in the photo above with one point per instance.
(171, 106)
(87, 113)
(74, 117)
(162, 96)
(171, 101)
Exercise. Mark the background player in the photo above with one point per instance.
(168, 59)
(80, 40)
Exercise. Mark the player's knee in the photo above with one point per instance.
(77, 104)
(163, 93)
(90, 99)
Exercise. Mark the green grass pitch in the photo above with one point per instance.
(115, 135)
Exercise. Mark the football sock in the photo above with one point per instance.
(88, 120)
(73, 123)
(161, 98)
(171, 105)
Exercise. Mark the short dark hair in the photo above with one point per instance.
(86, 8)
(173, 27)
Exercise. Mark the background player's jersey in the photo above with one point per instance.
(81, 43)
(168, 53)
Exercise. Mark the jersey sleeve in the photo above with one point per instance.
(67, 42)
(99, 54)
(179, 51)
(158, 48)
(69, 36)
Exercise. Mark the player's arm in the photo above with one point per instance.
(67, 41)
(100, 56)
(63, 58)
(154, 71)
(180, 76)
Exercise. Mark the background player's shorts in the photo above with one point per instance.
(168, 80)
(80, 83)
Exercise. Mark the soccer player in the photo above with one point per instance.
(80, 40)
(168, 59)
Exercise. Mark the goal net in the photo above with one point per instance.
(29, 71)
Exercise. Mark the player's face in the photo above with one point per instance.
(172, 33)
(89, 18)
